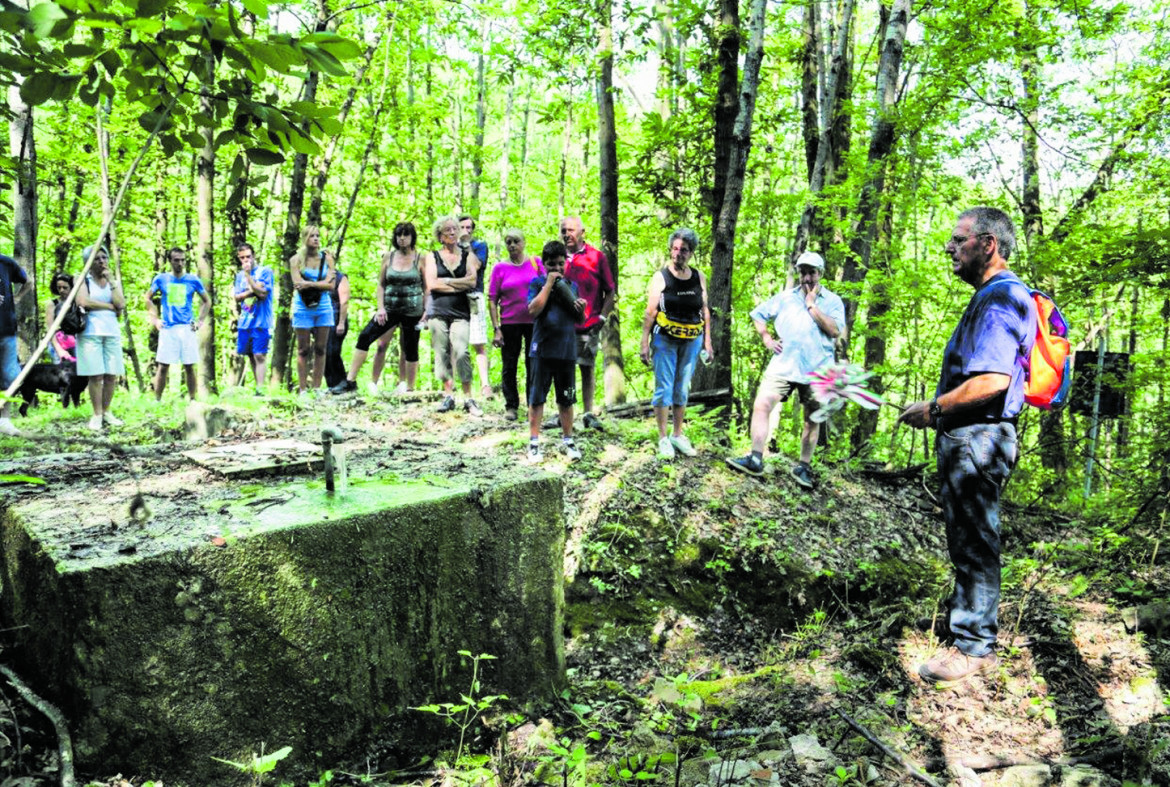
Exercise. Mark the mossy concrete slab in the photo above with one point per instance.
(275, 615)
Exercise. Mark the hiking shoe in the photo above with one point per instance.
(95, 424)
(472, 408)
(401, 388)
(665, 448)
(372, 388)
(683, 445)
(343, 387)
(939, 626)
(534, 454)
(109, 419)
(448, 404)
(591, 421)
(571, 450)
(953, 666)
(746, 464)
(8, 428)
(510, 414)
(803, 475)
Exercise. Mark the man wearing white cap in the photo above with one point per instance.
(807, 320)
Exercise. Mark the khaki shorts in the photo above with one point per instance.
(782, 389)
(587, 345)
(477, 329)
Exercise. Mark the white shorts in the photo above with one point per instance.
(478, 329)
(99, 355)
(177, 344)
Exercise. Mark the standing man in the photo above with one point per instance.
(588, 268)
(980, 394)
(253, 298)
(12, 277)
(176, 328)
(477, 333)
(807, 320)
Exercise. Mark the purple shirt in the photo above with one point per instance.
(509, 289)
(995, 334)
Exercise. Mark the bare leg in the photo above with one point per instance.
(680, 411)
(535, 416)
(660, 418)
(189, 370)
(109, 386)
(566, 413)
(355, 364)
(380, 356)
(411, 374)
(160, 382)
(588, 383)
(320, 345)
(259, 369)
(481, 362)
(761, 412)
(304, 350)
(97, 394)
(808, 438)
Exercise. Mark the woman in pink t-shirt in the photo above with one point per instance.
(508, 305)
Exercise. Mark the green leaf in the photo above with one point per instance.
(21, 479)
(111, 61)
(340, 47)
(38, 88)
(269, 761)
(264, 157)
(258, 8)
(48, 20)
(320, 60)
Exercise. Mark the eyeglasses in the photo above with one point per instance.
(445, 230)
(959, 240)
(511, 240)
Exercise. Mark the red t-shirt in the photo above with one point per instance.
(590, 271)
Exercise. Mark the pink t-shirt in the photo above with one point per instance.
(509, 289)
(590, 271)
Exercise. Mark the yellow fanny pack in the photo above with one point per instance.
(678, 330)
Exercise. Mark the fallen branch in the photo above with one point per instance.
(64, 742)
(991, 762)
(706, 399)
(911, 768)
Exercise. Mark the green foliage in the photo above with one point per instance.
(464, 714)
(259, 764)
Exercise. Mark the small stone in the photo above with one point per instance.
(1026, 776)
(1085, 776)
(666, 692)
(724, 772)
(809, 753)
(773, 755)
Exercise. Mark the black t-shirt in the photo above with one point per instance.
(554, 330)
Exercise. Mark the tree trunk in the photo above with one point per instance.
(718, 373)
(611, 343)
(480, 121)
(809, 78)
(875, 337)
(103, 138)
(506, 154)
(24, 210)
(65, 245)
(881, 145)
(523, 149)
(566, 140)
(205, 244)
(726, 104)
(375, 137)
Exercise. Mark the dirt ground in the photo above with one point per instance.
(720, 629)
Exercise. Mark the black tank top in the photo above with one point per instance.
(682, 299)
(450, 305)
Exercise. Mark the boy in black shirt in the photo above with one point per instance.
(553, 302)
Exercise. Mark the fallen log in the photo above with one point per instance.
(708, 400)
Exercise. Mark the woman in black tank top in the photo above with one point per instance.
(449, 273)
(677, 324)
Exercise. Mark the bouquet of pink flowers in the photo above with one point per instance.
(837, 383)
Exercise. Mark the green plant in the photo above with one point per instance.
(260, 764)
(464, 713)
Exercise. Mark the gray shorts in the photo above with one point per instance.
(588, 343)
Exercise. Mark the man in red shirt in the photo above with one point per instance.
(588, 268)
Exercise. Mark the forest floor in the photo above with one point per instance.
(720, 628)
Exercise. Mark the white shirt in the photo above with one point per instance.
(806, 346)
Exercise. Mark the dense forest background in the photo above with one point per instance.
(856, 129)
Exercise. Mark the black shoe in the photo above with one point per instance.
(746, 464)
(448, 405)
(591, 421)
(803, 475)
(343, 387)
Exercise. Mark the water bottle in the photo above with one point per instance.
(705, 357)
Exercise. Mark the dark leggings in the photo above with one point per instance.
(515, 337)
(407, 336)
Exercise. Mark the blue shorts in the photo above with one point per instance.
(9, 366)
(252, 341)
(320, 316)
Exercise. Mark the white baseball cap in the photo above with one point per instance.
(811, 259)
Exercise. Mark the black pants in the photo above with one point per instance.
(335, 370)
(516, 338)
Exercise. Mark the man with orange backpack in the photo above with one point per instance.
(979, 397)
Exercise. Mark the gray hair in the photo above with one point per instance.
(512, 232)
(438, 228)
(686, 235)
(85, 253)
(994, 222)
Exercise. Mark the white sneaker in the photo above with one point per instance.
(683, 445)
(95, 423)
(8, 428)
(571, 450)
(372, 388)
(401, 388)
(534, 454)
(109, 419)
(665, 449)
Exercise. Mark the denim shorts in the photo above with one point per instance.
(319, 316)
(9, 365)
(252, 341)
(674, 365)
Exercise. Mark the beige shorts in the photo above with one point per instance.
(477, 335)
(782, 389)
(587, 345)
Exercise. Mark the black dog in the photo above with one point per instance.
(54, 378)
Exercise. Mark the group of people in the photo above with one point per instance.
(549, 309)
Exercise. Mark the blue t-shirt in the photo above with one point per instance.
(995, 334)
(481, 250)
(10, 273)
(177, 294)
(554, 330)
(255, 312)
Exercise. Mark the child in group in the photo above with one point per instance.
(556, 310)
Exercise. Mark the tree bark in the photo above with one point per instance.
(506, 154)
(726, 103)
(480, 120)
(205, 244)
(611, 343)
(64, 246)
(809, 79)
(881, 145)
(718, 373)
(24, 209)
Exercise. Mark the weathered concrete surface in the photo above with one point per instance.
(269, 614)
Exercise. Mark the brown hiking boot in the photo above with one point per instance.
(953, 666)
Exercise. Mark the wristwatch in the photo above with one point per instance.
(935, 410)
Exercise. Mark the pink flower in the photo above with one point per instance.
(837, 383)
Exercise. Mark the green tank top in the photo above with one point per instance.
(403, 292)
